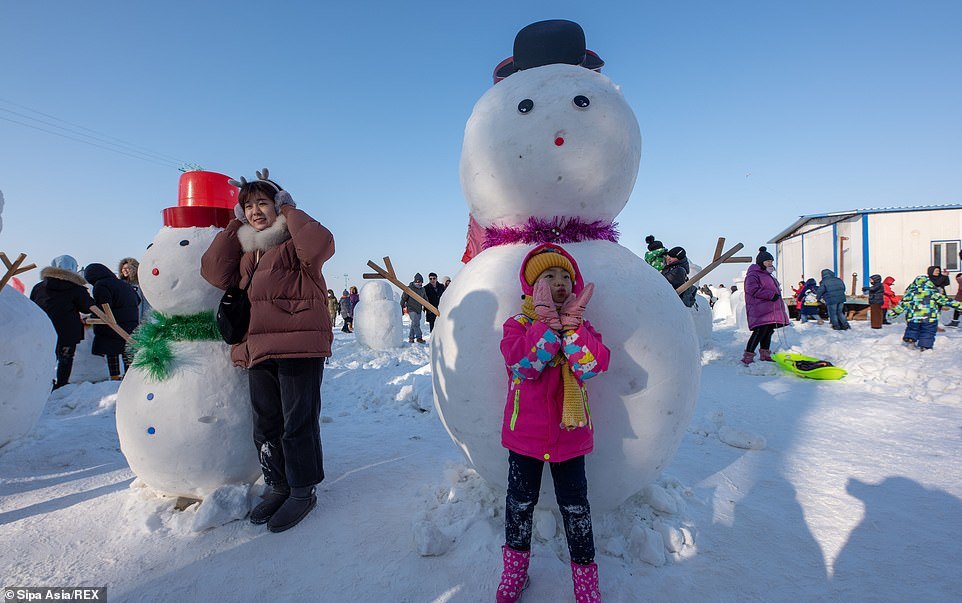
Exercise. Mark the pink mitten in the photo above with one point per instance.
(544, 305)
(573, 310)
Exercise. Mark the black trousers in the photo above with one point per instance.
(431, 317)
(286, 403)
(65, 355)
(571, 492)
(760, 335)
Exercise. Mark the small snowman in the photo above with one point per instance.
(27, 360)
(377, 317)
(183, 410)
(550, 154)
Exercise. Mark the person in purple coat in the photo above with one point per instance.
(764, 305)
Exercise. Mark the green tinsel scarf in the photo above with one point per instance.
(151, 347)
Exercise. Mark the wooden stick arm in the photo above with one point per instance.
(14, 268)
(106, 317)
(717, 262)
(390, 276)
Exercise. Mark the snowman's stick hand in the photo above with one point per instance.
(14, 268)
(382, 273)
(389, 266)
(108, 319)
(720, 260)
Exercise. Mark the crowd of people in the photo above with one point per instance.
(62, 294)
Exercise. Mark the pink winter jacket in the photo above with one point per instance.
(532, 414)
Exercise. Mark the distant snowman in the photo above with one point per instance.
(377, 317)
(183, 410)
(550, 154)
(27, 360)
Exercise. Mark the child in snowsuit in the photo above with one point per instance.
(922, 304)
(333, 306)
(808, 302)
(655, 256)
(549, 352)
(889, 299)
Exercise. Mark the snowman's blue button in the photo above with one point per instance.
(151, 430)
(150, 396)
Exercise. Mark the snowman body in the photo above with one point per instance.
(190, 433)
(377, 317)
(535, 149)
(27, 360)
(27, 363)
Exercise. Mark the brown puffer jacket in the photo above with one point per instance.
(289, 316)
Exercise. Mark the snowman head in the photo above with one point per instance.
(548, 141)
(170, 271)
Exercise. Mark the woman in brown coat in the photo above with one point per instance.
(278, 251)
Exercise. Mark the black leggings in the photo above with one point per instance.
(763, 335)
(64, 364)
(571, 491)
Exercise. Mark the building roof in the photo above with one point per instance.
(840, 216)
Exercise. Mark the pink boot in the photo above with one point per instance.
(585, 578)
(748, 358)
(765, 355)
(514, 578)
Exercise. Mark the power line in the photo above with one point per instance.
(121, 152)
(148, 154)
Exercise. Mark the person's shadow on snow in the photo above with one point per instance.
(909, 534)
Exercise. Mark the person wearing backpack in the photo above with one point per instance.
(808, 302)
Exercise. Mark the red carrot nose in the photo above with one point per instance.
(155, 272)
(559, 141)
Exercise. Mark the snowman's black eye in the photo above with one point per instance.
(525, 106)
(184, 243)
(581, 102)
(149, 246)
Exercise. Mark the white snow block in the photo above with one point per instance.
(647, 545)
(223, 505)
(377, 318)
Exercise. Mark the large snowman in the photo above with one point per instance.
(185, 425)
(551, 154)
(27, 360)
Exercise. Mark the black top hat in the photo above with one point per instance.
(548, 43)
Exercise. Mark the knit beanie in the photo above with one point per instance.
(678, 253)
(64, 262)
(652, 243)
(762, 256)
(418, 278)
(542, 261)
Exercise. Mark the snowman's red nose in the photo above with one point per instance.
(155, 272)
(559, 141)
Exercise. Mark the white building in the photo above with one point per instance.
(901, 242)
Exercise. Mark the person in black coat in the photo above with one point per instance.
(676, 271)
(62, 294)
(435, 290)
(876, 297)
(125, 305)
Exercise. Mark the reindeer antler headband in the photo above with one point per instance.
(262, 176)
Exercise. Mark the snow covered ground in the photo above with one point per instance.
(783, 489)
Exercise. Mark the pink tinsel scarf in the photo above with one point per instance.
(554, 230)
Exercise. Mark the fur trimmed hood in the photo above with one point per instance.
(64, 275)
(263, 240)
(134, 266)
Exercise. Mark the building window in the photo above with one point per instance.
(945, 254)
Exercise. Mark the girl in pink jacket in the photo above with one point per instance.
(549, 351)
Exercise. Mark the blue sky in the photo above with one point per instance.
(751, 114)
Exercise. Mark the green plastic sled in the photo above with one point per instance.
(788, 361)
